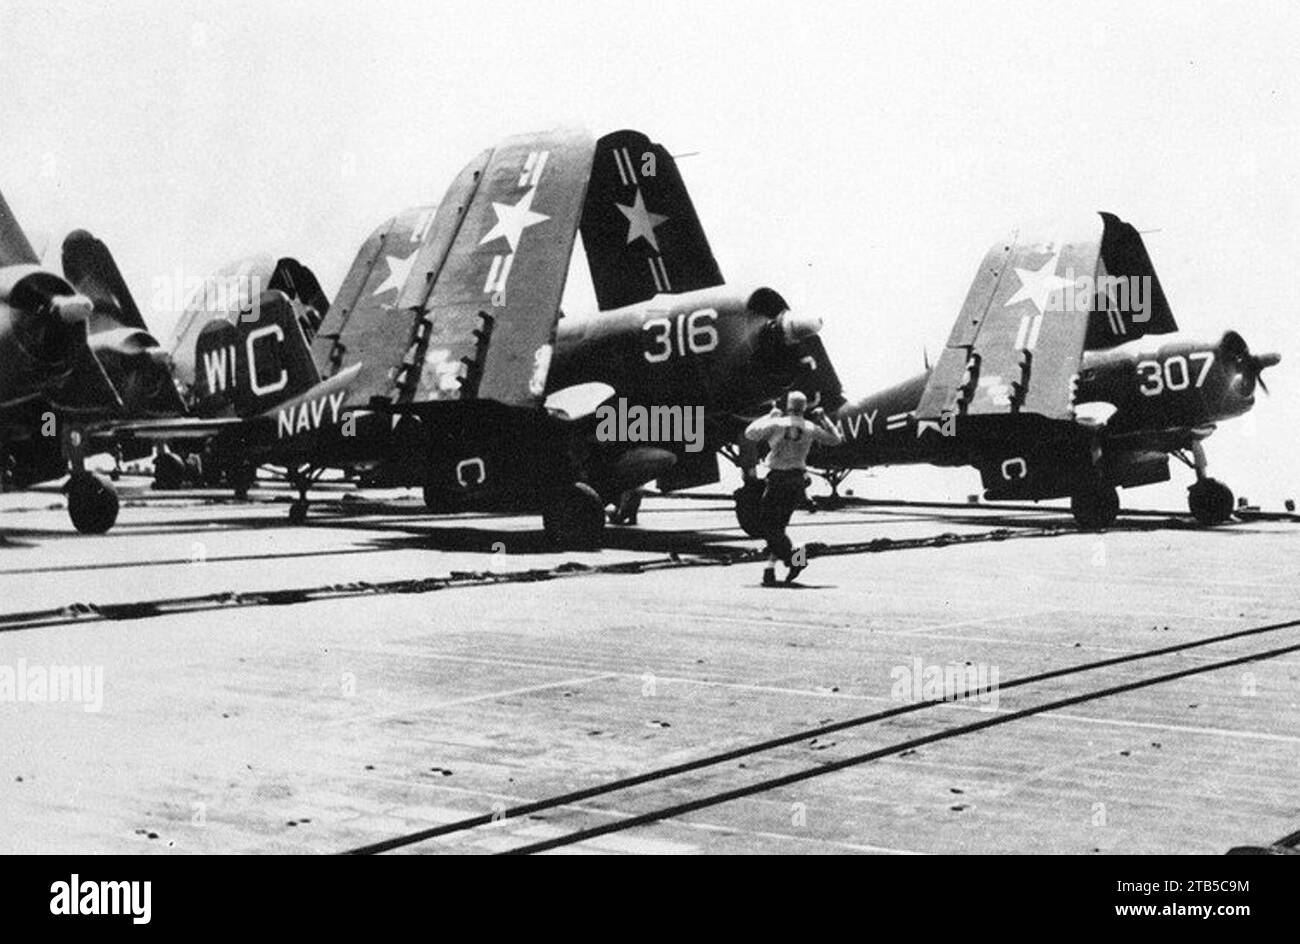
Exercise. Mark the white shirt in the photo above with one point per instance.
(789, 438)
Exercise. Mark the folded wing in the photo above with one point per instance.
(462, 301)
(1040, 298)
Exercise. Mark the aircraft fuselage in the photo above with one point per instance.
(1147, 397)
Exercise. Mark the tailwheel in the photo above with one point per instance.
(301, 479)
(1095, 508)
(574, 517)
(92, 503)
(1210, 501)
(749, 499)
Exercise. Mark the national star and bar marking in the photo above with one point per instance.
(1037, 285)
(398, 271)
(641, 222)
(513, 220)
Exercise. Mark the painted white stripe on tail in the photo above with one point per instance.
(538, 167)
(1020, 334)
(1033, 333)
(663, 272)
(654, 274)
(498, 274)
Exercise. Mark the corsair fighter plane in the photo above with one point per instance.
(74, 352)
(1065, 375)
(444, 363)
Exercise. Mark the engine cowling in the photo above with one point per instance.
(42, 324)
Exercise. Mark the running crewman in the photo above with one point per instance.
(789, 436)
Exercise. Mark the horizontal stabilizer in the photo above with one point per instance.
(578, 401)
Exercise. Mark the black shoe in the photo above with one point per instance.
(797, 563)
(769, 577)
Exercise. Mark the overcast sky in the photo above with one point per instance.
(857, 157)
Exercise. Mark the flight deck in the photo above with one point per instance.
(942, 678)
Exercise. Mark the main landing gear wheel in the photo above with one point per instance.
(1095, 509)
(168, 471)
(626, 507)
(749, 498)
(92, 503)
(1210, 501)
(574, 518)
(242, 479)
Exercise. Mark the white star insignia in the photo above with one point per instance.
(513, 220)
(1037, 285)
(398, 271)
(641, 222)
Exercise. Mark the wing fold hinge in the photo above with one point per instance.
(473, 363)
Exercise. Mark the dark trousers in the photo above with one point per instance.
(783, 492)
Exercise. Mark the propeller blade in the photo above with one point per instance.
(1261, 361)
(1256, 364)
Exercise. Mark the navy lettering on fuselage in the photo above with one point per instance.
(308, 415)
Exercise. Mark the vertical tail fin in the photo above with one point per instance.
(639, 227)
(128, 354)
(256, 363)
(299, 283)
